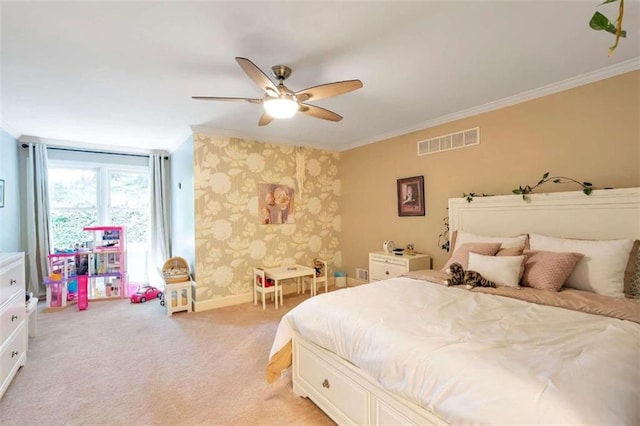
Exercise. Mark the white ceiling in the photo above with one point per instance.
(121, 74)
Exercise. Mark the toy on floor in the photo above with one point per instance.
(145, 293)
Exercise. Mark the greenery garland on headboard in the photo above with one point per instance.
(587, 188)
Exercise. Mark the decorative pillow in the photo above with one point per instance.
(510, 251)
(632, 273)
(548, 270)
(602, 268)
(461, 254)
(463, 237)
(503, 270)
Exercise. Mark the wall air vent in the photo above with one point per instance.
(451, 141)
(362, 274)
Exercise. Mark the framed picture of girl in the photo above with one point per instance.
(411, 196)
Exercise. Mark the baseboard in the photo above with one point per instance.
(205, 305)
(352, 282)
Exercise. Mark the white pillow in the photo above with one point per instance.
(502, 270)
(601, 270)
(464, 237)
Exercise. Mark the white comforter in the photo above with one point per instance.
(479, 358)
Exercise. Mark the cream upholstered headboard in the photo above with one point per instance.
(605, 214)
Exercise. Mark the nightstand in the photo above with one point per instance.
(388, 265)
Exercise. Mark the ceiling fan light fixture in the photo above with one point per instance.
(281, 107)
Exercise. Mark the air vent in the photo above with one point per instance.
(451, 141)
(362, 274)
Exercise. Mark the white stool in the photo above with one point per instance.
(177, 297)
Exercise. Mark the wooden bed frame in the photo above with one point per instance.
(350, 396)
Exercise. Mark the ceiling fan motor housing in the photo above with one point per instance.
(281, 72)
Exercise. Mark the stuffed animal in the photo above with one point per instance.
(318, 266)
(470, 279)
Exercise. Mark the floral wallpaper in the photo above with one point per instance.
(230, 241)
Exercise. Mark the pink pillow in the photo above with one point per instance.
(546, 270)
(461, 254)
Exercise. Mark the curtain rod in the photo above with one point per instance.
(24, 145)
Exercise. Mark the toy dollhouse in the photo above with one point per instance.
(89, 273)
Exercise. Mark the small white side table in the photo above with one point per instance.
(177, 297)
(32, 316)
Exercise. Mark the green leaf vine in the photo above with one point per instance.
(525, 190)
(587, 187)
(600, 22)
(443, 239)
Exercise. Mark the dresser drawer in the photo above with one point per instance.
(11, 316)
(11, 357)
(11, 278)
(337, 389)
(388, 259)
(383, 271)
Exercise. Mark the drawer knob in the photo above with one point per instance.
(326, 384)
(386, 272)
(14, 354)
(13, 318)
(12, 281)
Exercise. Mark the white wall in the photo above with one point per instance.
(10, 223)
(182, 203)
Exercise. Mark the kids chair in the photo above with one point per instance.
(260, 285)
(322, 272)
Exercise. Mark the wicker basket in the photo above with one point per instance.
(175, 270)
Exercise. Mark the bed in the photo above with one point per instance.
(412, 350)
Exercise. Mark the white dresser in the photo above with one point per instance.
(13, 328)
(388, 265)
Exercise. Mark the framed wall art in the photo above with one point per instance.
(411, 196)
(275, 204)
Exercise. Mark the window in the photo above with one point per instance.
(73, 195)
(83, 194)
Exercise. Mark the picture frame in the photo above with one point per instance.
(275, 204)
(1, 193)
(411, 196)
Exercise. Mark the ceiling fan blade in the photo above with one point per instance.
(257, 75)
(265, 119)
(328, 90)
(318, 112)
(215, 98)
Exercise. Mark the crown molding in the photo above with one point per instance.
(570, 83)
(213, 131)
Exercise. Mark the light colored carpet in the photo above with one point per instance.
(119, 363)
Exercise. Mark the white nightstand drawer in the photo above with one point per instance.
(387, 259)
(388, 265)
(382, 271)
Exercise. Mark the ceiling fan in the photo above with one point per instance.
(280, 102)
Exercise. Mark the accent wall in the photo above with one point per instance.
(229, 234)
